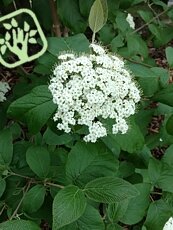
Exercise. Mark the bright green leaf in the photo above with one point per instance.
(7, 26)
(38, 159)
(32, 41)
(26, 26)
(169, 56)
(19, 225)
(14, 22)
(68, 205)
(32, 33)
(110, 190)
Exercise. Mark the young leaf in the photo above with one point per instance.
(68, 205)
(7, 26)
(19, 225)
(32, 41)
(3, 49)
(7, 36)
(14, 22)
(35, 108)
(169, 56)
(6, 147)
(26, 26)
(34, 198)
(38, 159)
(32, 33)
(2, 186)
(98, 15)
(110, 190)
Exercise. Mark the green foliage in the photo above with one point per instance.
(54, 179)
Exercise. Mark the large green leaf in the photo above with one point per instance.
(165, 95)
(158, 214)
(110, 190)
(34, 198)
(38, 159)
(68, 205)
(95, 161)
(169, 125)
(6, 147)
(19, 225)
(35, 108)
(70, 15)
(133, 140)
(77, 43)
(161, 174)
(2, 186)
(98, 15)
(137, 206)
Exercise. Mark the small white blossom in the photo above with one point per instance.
(130, 20)
(169, 224)
(89, 87)
(4, 88)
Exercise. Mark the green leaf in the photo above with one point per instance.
(7, 36)
(95, 161)
(38, 159)
(34, 199)
(7, 26)
(52, 138)
(35, 108)
(114, 226)
(169, 125)
(6, 147)
(78, 43)
(146, 15)
(133, 140)
(165, 95)
(32, 33)
(157, 215)
(137, 206)
(136, 46)
(68, 205)
(2, 41)
(168, 156)
(26, 27)
(14, 22)
(19, 225)
(110, 190)
(161, 174)
(169, 56)
(32, 41)
(2, 186)
(98, 15)
(71, 18)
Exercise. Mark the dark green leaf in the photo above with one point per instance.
(68, 205)
(38, 159)
(165, 95)
(19, 225)
(34, 198)
(95, 161)
(169, 125)
(6, 147)
(2, 186)
(36, 108)
(110, 190)
(169, 56)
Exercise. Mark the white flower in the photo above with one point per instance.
(4, 88)
(169, 224)
(130, 20)
(92, 87)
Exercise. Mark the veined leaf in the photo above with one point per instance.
(19, 225)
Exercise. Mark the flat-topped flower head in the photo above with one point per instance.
(90, 88)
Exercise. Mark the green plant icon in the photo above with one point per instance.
(20, 39)
(17, 38)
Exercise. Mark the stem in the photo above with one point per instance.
(93, 37)
(150, 21)
(26, 188)
(137, 62)
(55, 185)
(55, 18)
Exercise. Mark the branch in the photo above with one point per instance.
(150, 21)
(55, 18)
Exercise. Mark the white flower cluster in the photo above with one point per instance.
(4, 88)
(169, 224)
(130, 20)
(89, 87)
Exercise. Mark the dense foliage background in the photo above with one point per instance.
(50, 178)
